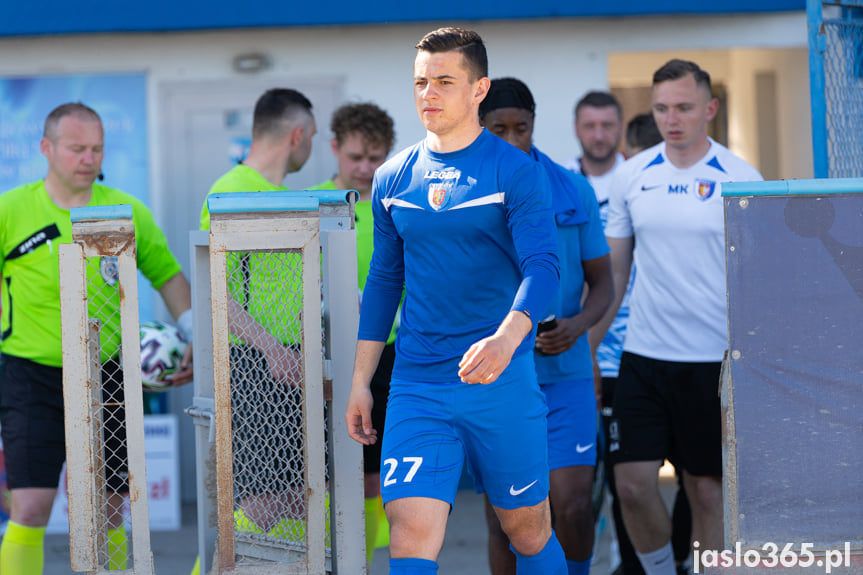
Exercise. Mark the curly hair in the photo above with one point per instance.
(365, 118)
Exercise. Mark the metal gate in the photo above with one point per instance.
(274, 284)
(792, 385)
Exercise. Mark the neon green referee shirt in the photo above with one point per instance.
(268, 289)
(31, 229)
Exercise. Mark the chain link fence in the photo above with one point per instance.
(843, 62)
(267, 395)
(112, 468)
(836, 76)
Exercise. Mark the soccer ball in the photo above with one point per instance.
(162, 349)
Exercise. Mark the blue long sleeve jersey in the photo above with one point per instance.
(471, 236)
(580, 238)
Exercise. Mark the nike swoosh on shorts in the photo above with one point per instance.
(513, 491)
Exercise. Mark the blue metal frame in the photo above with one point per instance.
(245, 202)
(117, 212)
(795, 187)
(330, 196)
(817, 86)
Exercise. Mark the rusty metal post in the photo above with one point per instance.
(108, 233)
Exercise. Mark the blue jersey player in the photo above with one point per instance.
(463, 222)
(563, 359)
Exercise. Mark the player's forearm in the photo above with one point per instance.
(621, 265)
(513, 329)
(366, 361)
(600, 292)
(177, 294)
(243, 325)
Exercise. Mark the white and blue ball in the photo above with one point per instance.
(162, 349)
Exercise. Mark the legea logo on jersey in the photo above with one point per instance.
(704, 188)
(445, 174)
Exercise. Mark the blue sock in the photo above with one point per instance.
(578, 567)
(549, 561)
(412, 566)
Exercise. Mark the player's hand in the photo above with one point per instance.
(561, 338)
(358, 416)
(186, 373)
(284, 364)
(485, 360)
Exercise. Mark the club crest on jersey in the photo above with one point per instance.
(439, 194)
(109, 270)
(704, 188)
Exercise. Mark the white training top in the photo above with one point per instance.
(601, 184)
(678, 304)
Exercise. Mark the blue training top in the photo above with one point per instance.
(580, 237)
(470, 235)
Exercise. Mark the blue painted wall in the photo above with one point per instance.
(25, 18)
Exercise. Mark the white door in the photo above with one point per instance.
(201, 125)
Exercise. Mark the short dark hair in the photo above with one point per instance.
(677, 68)
(642, 132)
(596, 99)
(366, 119)
(507, 93)
(274, 107)
(467, 42)
(76, 109)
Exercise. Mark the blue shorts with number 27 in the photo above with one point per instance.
(500, 428)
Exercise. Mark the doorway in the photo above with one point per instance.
(204, 126)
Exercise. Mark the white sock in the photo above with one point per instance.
(659, 562)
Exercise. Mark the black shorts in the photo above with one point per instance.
(608, 386)
(267, 422)
(33, 431)
(668, 410)
(380, 388)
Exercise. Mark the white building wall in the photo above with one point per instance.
(794, 137)
(558, 59)
(736, 68)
